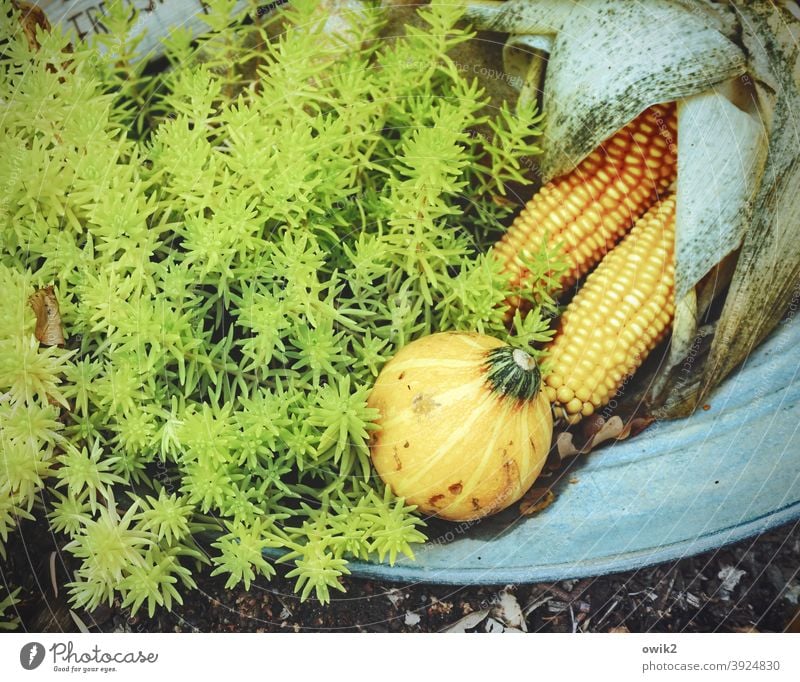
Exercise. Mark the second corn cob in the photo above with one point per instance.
(587, 211)
(623, 310)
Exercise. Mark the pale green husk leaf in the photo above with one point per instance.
(767, 277)
(738, 205)
(721, 151)
(544, 17)
(594, 86)
(720, 158)
(525, 61)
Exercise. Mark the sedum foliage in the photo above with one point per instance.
(237, 244)
(8, 618)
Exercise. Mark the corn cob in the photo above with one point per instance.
(623, 310)
(587, 211)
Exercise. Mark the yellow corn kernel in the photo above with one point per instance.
(642, 265)
(587, 211)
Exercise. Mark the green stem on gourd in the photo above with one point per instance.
(512, 372)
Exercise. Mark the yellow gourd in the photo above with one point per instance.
(464, 424)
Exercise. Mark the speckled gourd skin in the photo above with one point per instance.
(448, 442)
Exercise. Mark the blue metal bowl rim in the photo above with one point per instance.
(411, 573)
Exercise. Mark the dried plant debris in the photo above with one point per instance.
(792, 593)
(504, 616)
(535, 500)
(730, 577)
(396, 597)
(411, 619)
(720, 149)
(469, 622)
(767, 274)
(508, 611)
(33, 19)
(735, 72)
(596, 431)
(49, 328)
(587, 91)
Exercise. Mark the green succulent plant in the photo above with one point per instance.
(7, 621)
(237, 243)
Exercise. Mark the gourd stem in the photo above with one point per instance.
(511, 372)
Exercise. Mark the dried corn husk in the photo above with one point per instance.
(721, 151)
(767, 277)
(525, 61)
(594, 86)
(545, 17)
(734, 69)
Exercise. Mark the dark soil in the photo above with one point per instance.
(691, 595)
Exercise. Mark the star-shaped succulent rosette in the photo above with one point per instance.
(733, 72)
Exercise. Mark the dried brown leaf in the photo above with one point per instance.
(565, 445)
(614, 428)
(535, 500)
(31, 18)
(49, 330)
(597, 431)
